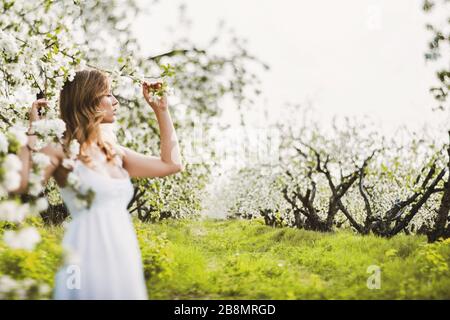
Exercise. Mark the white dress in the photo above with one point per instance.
(104, 260)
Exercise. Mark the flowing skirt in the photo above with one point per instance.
(102, 259)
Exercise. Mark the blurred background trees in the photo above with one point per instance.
(44, 42)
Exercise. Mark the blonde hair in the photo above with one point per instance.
(78, 102)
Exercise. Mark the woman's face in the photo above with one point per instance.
(109, 104)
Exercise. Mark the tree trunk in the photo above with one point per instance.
(444, 208)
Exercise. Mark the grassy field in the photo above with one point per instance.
(236, 259)
(247, 260)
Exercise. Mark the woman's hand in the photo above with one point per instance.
(157, 105)
(35, 111)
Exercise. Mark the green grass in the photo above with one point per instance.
(247, 260)
(239, 259)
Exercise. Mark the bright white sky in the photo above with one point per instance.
(351, 57)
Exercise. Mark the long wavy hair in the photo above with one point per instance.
(78, 103)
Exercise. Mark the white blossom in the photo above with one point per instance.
(41, 159)
(3, 143)
(35, 47)
(7, 285)
(8, 44)
(41, 204)
(73, 179)
(35, 185)
(11, 180)
(3, 191)
(44, 289)
(80, 203)
(49, 127)
(170, 91)
(12, 163)
(19, 134)
(12, 211)
(71, 75)
(26, 238)
(74, 147)
(68, 163)
(19, 288)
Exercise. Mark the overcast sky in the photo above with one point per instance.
(349, 57)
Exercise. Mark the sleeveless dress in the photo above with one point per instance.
(104, 257)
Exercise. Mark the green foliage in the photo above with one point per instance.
(40, 264)
(38, 267)
(168, 70)
(240, 259)
(155, 251)
(244, 259)
(433, 260)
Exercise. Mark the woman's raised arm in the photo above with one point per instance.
(140, 165)
(54, 152)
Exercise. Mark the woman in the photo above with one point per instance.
(105, 261)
